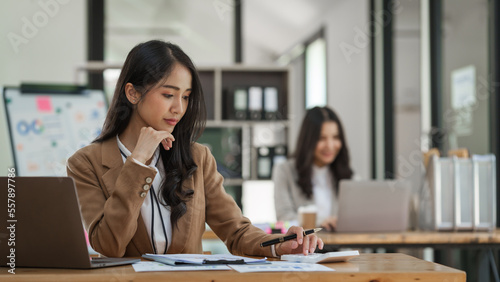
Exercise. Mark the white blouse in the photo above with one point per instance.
(322, 180)
(150, 208)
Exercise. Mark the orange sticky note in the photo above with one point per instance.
(44, 104)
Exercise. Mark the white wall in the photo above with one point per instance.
(42, 41)
(349, 80)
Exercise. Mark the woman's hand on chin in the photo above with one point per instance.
(148, 141)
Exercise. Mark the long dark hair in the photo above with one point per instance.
(309, 135)
(146, 65)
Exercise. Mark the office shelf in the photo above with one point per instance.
(219, 83)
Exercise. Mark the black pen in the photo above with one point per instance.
(287, 238)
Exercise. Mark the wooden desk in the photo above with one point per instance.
(365, 268)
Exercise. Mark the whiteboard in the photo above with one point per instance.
(46, 127)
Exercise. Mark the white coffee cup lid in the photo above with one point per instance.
(308, 209)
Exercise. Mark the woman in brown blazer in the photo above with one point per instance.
(144, 185)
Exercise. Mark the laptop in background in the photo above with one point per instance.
(373, 206)
(48, 225)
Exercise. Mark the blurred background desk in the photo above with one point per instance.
(418, 239)
(365, 268)
(481, 248)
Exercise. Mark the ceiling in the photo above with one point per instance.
(270, 26)
(278, 25)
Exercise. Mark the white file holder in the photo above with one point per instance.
(484, 192)
(443, 193)
(464, 193)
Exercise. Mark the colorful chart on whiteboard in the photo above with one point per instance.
(47, 128)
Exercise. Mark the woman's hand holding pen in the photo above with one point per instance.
(148, 141)
(302, 244)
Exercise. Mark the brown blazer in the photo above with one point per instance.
(111, 194)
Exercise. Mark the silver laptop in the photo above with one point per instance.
(373, 206)
(45, 225)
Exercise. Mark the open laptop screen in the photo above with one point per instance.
(373, 206)
(45, 225)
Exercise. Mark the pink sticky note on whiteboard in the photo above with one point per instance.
(44, 103)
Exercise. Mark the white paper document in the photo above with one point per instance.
(176, 259)
(280, 266)
(145, 266)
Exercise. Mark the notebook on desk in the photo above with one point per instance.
(46, 225)
(373, 206)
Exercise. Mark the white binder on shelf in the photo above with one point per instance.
(255, 102)
(240, 105)
(271, 103)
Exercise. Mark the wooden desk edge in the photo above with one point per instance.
(364, 268)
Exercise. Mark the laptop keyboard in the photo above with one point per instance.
(108, 260)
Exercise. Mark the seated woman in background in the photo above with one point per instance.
(320, 161)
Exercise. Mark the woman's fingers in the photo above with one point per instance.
(302, 244)
(315, 242)
(321, 244)
(305, 245)
(148, 141)
(165, 144)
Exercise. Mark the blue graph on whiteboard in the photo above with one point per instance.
(36, 126)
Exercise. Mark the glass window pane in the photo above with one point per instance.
(465, 75)
(316, 74)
